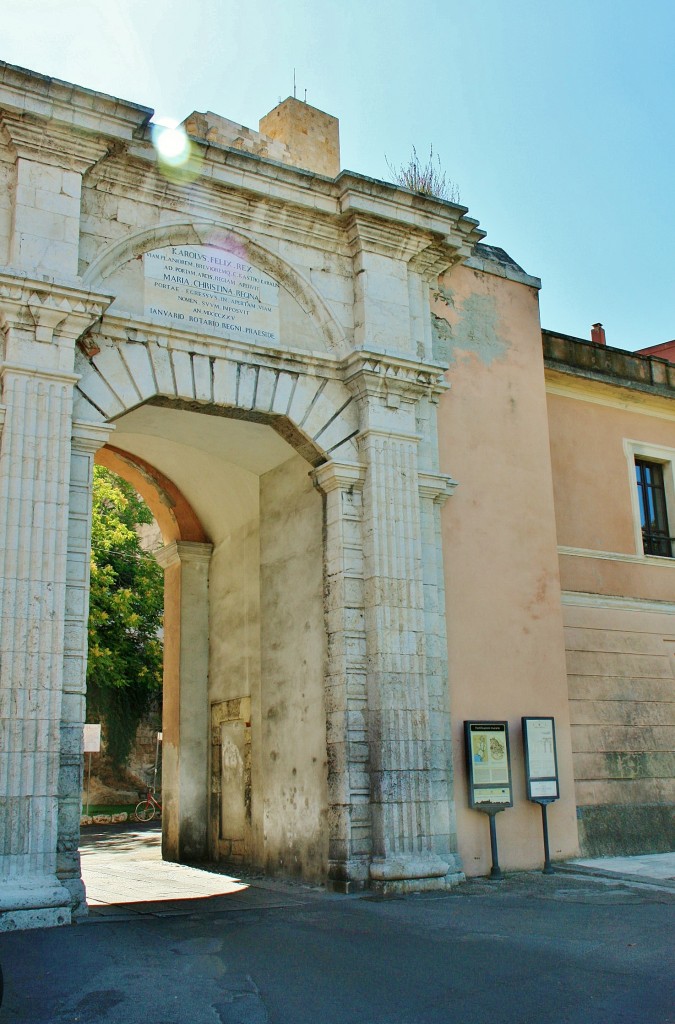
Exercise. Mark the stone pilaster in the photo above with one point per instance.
(50, 163)
(86, 440)
(185, 724)
(398, 700)
(409, 750)
(434, 491)
(40, 324)
(34, 481)
(350, 841)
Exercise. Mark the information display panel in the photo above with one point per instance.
(92, 738)
(488, 759)
(541, 759)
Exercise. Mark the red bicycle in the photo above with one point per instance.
(149, 808)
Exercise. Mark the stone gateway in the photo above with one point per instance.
(263, 347)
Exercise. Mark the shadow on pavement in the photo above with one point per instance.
(126, 878)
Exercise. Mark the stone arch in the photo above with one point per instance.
(312, 410)
(128, 365)
(173, 513)
(206, 233)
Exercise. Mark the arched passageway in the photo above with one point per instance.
(244, 752)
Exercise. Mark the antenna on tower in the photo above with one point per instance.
(295, 96)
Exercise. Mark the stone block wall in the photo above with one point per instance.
(621, 675)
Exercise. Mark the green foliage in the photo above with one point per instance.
(124, 671)
(429, 179)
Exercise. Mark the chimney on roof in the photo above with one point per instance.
(598, 334)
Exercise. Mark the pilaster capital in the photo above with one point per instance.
(49, 311)
(89, 437)
(184, 552)
(346, 476)
(437, 486)
(38, 372)
(435, 260)
(392, 378)
(389, 435)
(367, 233)
(393, 221)
(51, 143)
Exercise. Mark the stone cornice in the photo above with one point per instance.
(64, 124)
(230, 169)
(375, 209)
(382, 374)
(604, 364)
(634, 604)
(505, 270)
(25, 92)
(230, 181)
(53, 144)
(384, 237)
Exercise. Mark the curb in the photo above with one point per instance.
(580, 869)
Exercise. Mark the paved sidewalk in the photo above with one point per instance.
(125, 877)
(124, 872)
(653, 868)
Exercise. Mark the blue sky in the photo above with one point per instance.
(555, 119)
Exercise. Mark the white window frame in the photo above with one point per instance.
(666, 458)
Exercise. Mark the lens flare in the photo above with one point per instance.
(179, 159)
(172, 144)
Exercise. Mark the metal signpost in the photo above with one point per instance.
(92, 745)
(541, 771)
(488, 759)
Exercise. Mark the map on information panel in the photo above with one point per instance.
(488, 764)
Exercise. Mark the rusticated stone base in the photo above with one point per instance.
(410, 885)
(44, 904)
(44, 917)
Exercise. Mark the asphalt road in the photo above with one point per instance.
(542, 949)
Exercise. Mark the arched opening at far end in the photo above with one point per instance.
(172, 511)
(125, 650)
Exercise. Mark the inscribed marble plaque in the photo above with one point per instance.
(210, 290)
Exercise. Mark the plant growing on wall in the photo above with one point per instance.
(429, 178)
(124, 670)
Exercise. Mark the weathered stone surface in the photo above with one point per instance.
(294, 451)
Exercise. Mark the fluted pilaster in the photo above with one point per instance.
(398, 699)
(34, 499)
(350, 840)
(87, 438)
